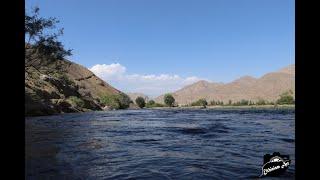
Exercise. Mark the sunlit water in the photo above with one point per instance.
(158, 144)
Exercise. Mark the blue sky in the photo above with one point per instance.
(216, 40)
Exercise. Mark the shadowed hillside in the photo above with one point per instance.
(60, 86)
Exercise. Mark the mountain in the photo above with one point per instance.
(267, 87)
(133, 96)
(60, 86)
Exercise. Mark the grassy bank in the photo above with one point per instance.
(232, 107)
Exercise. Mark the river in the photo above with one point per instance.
(158, 144)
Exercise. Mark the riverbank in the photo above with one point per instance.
(231, 107)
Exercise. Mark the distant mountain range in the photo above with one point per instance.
(268, 87)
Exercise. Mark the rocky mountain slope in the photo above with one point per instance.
(267, 87)
(59, 86)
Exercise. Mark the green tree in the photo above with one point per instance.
(111, 100)
(151, 102)
(116, 101)
(213, 102)
(169, 100)
(261, 102)
(140, 102)
(124, 101)
(230, 102)
(40, 43)
(201, 102)
(286, 98)
(244, 102)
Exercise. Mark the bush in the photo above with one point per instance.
(213, 102)
(219, 103)
(154, 105)
(286, 98)
(201, 102)
(116, 101)
(75, 101)
(244, 102)
(251, 103)
(169, 100)
(151, 102)
(261, 102)
(64, 78)
(140, 102)
(124, 101)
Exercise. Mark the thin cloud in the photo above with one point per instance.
(150, 84)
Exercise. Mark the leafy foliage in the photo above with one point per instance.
(140, 102)
(169, 100)
(64, 78)
(41, 43)
(152, 103)
(75, 101)
(261, 102)
(116, 101)
(286, 98)
(212, 102)
(201, 102)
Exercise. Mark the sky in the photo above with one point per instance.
(159, 46)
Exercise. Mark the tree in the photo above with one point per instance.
(116, 101)
(151, 102)
(40, 42)
(111, 101)
(169, 100)
(261, 102)
(140, 102)
(244, 102)
(286, 98)
(213, 102)
(230, 102)
(124, 101)
(201, 102)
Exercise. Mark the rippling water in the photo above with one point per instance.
(158, 144)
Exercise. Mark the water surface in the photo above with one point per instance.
(158, 144)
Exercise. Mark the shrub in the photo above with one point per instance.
(75, 101)
(244, 102)
(213, 102)
(64, 78)
(151, 102)
(154, 105)
(124, 101)
(116, 101)
(201, 102)
(219, 102)
(286, 98)
(169, 100)
(140, 102)
(261, 102)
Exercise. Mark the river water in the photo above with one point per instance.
(158, 144)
